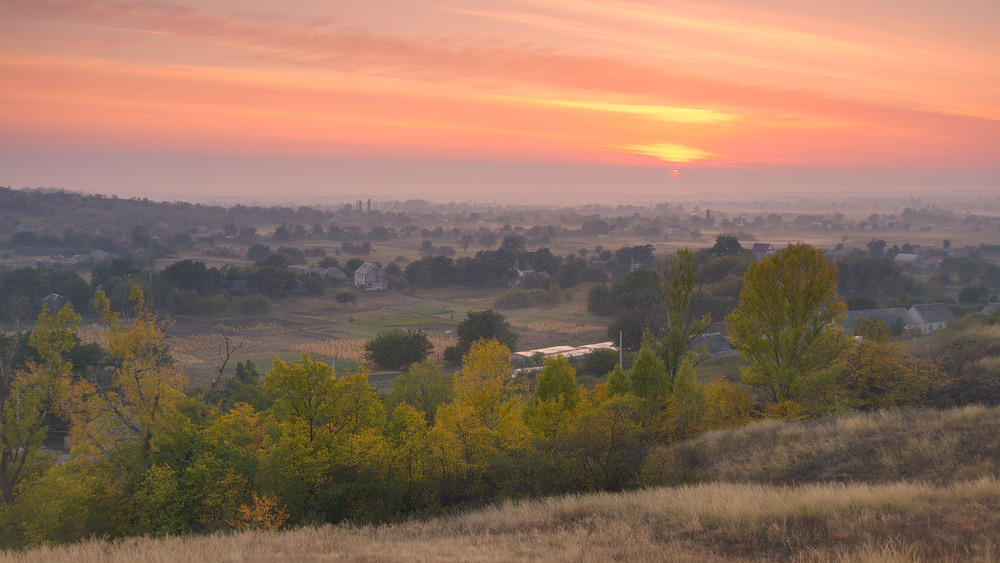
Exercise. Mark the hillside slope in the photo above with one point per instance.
(932, 493)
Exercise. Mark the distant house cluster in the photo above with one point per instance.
(370, 277)
(927, 317)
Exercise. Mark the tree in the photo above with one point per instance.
(425, 386)
(974, 295)
(397, 348)
(872, 329)
(681, 329)
(726, 245)
(483, 325)
(125, 420)
(557, 382)
(649, 374)
(876, 247)
(788, 320)
(346, 297)
(29, 396)
(878, 374)
(618, 381)
(306, 391)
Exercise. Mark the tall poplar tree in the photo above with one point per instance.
(788, 321)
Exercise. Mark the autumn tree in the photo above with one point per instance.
(425, 386)
(482, 425)
(555, 398)
(29, 396)
(872, 329)
(875, 374)
(788, 320)
(121, 423)
(306, 391)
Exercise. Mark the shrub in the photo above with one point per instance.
(397, 348)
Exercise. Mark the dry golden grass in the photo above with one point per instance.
(552, 326)
(716, 522)
(880, 447)
(353, 349)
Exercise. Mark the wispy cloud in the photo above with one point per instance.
(680, 85)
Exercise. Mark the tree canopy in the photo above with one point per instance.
(788, 320)
(482, 325)
(397, 348)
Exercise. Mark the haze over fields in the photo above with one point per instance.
(524, 100)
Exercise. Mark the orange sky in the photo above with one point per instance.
(887, 96)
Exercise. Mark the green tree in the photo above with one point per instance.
(649, 374)
(726, 245)
(681, 329)
(30, 396)
(618, 381)
(788, 321)
(425, 386)
(557, 382)
(482, 325)
(555, 399)
(685, 406)
(397, 348)
(306, 391)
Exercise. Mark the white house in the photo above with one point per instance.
(370, 277)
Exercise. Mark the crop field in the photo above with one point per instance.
(326, 329)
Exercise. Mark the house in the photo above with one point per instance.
(930, 316)
(333, 273)
(906, 258)
(370, 277)
(53, 300)
(762, 250)
(714, 341)
(926, 317)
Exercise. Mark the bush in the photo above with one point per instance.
(518, 298)
(397, 348)
(599, 362)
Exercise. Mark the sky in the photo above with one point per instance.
(555, 101)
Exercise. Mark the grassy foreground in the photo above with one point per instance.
(713, 522)
(891, 486)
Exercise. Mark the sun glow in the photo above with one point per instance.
(669, 153)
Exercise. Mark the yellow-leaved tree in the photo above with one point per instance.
(474, 434)
(329, 434)
(118, 425)
(30, 396)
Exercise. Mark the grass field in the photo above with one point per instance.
(327, 329)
